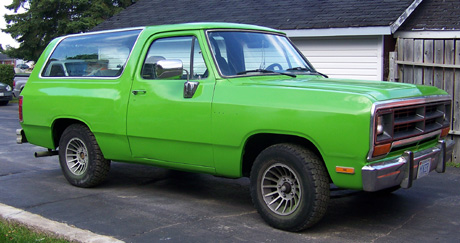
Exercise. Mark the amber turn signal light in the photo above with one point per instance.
(445, 131)
(345, 170)
(381, 149)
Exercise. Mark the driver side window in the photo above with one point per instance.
(184, 48)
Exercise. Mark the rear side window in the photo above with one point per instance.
(92, 55)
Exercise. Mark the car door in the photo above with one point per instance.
(163, 125)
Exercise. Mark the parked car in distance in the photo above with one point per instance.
(19, 82)
(23, 66)
(6, 93)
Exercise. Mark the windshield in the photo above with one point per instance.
(255, 53)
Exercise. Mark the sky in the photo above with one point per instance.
(5, 38)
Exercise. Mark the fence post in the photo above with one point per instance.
(393, 67)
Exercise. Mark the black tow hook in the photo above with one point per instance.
(46, 153)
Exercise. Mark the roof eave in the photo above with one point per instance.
(429, 34)
(404, 16)
(352, 31)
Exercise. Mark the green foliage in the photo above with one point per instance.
(45, 20)
(10, 232)
(6, 74)
(453, 164)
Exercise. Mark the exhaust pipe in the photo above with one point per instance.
(46, 153)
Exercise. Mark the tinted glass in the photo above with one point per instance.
(94, 55)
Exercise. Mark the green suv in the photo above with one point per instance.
(230, 100)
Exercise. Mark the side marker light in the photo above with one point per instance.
(345, 170)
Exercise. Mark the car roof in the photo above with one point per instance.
(191, 26)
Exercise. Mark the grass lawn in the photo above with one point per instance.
(12, 232)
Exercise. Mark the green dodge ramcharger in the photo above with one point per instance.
(230, 100)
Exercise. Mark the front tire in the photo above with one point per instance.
(289, 187)
(80, 157)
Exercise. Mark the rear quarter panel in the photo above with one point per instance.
(100, 103)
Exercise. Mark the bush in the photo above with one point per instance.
(6, 74)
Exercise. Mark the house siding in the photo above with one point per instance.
(345, 57)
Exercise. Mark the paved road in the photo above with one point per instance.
(147, 204)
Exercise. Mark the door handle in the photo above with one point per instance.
(136, 92)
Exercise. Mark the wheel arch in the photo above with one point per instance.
(258, 142)
(59, 125)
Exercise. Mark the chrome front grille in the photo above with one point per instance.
(414, 120)
(404, 123)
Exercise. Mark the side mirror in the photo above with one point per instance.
(168, 68)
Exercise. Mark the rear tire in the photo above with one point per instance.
(289, 187)
(80, 157)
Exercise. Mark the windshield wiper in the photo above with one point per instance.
(307, 70)
(322, 74)
(265, 71)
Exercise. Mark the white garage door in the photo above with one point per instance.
(344, 57)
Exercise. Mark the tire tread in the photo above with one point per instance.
(310, 163)
(101, 165)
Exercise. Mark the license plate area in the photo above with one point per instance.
(424, 168)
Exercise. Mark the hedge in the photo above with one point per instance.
(7, 74)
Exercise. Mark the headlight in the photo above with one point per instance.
(379, 125)
(8, 88)
(383, 127)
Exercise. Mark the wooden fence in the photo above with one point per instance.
(434, 62)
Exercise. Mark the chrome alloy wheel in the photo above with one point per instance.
(280, 189)
(76, 155)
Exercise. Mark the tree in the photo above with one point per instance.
(45, 20)
(7, 74)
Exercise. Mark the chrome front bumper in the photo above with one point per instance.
(404, 169)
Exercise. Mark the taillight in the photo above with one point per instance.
(21, 119)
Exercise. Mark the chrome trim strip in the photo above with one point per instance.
(403, 142)
(410, 101)
(394, 104)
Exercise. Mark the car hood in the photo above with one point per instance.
(378, 90)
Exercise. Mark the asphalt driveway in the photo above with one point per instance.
(147, 204)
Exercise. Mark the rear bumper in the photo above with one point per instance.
(20, 136)
(404, 169)
(16, 93)
(6, 96)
